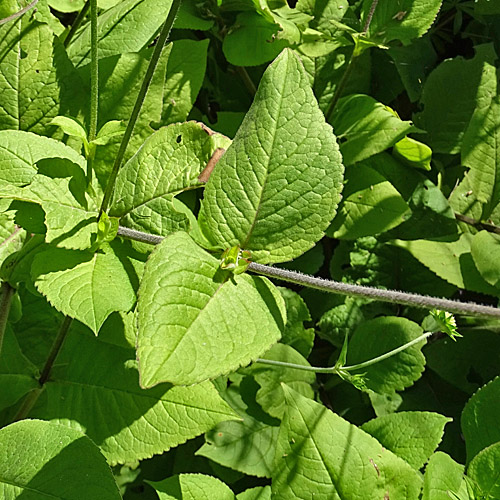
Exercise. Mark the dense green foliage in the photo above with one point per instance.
(358, 141)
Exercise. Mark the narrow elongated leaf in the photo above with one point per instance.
(84, 285)
(196, 321)
(52, 462)
(370, 205)
(17, 373)
(20, 152)
(380, 335)
(36, 77)
(366, 127)
(169, 162)
(411, 435)
(402, 20)
(277, 187)
(321, 454)
(192, 487)
(127, 27)
(480, 418)
(442, 476)
(98, 390)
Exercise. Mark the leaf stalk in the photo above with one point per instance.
(153, 63)
(6, 294)
(77, 23)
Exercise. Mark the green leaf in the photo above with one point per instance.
(366, 127)
(108, 131)
(480, 419)
(324, 12)
(187, 337)
(253, 40)
(11, 237)
(174, 157)
(84, 285)
(258, 493)
(192, 487)
(37, 80)
(21, 151)
(321, 454)
(377, 336)
(485, 249)
(66, 5)
(70, 127)
(486, 7)
(483, 470)
(276, 188)
(127, 423)
(185, 72)
(413, 153)
(129, 26)
(411, 435)
(270, 378)
(295, 334)
(481, 153)
(402, 20)
(451, 93)
(442, 476)
(450, 259)
(247, 445)
(18, 375)
(370, 205)
(54, 451)
(188, 17)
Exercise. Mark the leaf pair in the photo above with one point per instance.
(273, 193)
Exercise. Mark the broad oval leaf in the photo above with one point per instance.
(485, 249)
(84, 285)
(321, 455)
(197, 322)
(483, 470)
(192, 486)
(52, 461)
(169, 162)
(95, 387)
(20, 151)
(277, 187)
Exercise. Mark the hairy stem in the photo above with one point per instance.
(160, 43)
(6, 294)
(369, 17)
(491, 228)
(366, 292)
(247, 81)
(94, 72)
(19, 13)
(77, 23)
(32, 397)
(387, 354)
(392, 296)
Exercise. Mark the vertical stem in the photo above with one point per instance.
(369, 17)
(94, 70)
(32, 397)
(6, 294)
(165, 31)
(77, 23)
(248, 82)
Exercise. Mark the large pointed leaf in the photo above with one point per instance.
(196, 321)
(483, 470)
(276, 189)
(52, 462)
(36, 77)
(84, 285)
(20, 152)
(168, 163)
(442, 476)
(95, 387)
(321, 455)
(127, 27)
(411, 435)
(192, 487)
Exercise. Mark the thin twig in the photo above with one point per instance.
(18, 14)
(392, 296)
(77, 23)
(491, 228)
(138, 103)
(245, 77)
